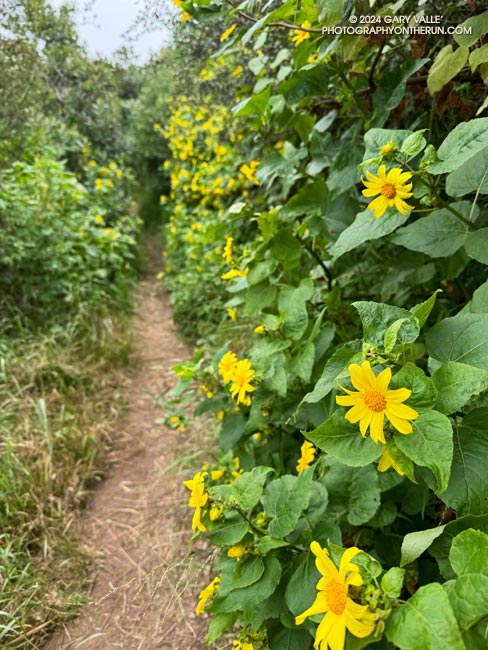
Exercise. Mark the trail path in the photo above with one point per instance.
(138, 525)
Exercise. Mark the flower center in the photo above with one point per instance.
(335, 596)
(388, 190)
(374, 400)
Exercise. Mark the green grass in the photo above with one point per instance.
(58, 396)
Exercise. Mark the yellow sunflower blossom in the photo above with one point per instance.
(307, 457)
(228, 32)
(386, 461)
(186, 16)
(198, 498)
(237, 71)
(242, 645)
(260, 329)
(220, 415)
(207, 594)
(300, 34)
(341, 612)
(228, 249)
(231, 313)
(226, 366)
(242, 376)
(392, 188)
(373, 401)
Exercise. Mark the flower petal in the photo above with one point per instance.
(337, 634)
(319, 606)
(349, 400)
(378, 205)
(365, 422)
(356, 413)
(356, 627)
(402, 411)
(346, 558)
(376, 427)
(403, 426)
(324, 630)
(382, 380)
(398, 395)
(360, 377)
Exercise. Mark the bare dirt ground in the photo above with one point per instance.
(147, 575)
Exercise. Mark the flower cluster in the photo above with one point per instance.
(239, 374)
(198, 499)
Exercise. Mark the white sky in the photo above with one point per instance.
(112, 18)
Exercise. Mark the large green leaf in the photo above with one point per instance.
(304, 84)
(424, 393)
(462, 143)
(414, 544)
(440, 234)
(302, 588)
(248, 487)
(292, 306)
(425, 622)
(365, 228)
(446, 66)
(343, 441)
(469, 553)
(430, 445)
(354, 493)
(284, 500)
(463, 338)
(310, 199)
(469, 598)
(476, 245)
(230, 532)
(377, 318)
(456, 383)
(247, 571)
(467, 491)
(470, 177)
(479, 302)
(286, 248)
(334, 370)
(441, 547)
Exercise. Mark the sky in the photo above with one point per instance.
(112, 18)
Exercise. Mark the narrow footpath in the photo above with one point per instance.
(137, 526)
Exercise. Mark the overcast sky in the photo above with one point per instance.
(112, 19)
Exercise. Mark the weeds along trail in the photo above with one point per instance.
(145, 581)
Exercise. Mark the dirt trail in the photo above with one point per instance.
(147, 578)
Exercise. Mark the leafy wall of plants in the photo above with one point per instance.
(349, 503)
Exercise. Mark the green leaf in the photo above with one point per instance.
(219, 624)
(310, 199)
(470, 177)
(430, 445)
(377, 319)
(425, 622)
(253, 104)
(247, 571)
(344, 441)
(478, 56)
(365, 228)
(441, 547)
(392, 582)
(233, 428)
(463, 338)
(305, 84)
(292, 306)
(353, 493)
(284, 500)
(229, 533)
(469, 553)
(462, 143)
(266, 544)
(302, 588)
(414, 544)
(467, 491)
(289, 639)
(471, 30)
(469, 598)
(414, 144)
(476, 245)
(248, 487)
(334, 370)
(286, 248)
(440, 234)
(374, 139)
(252, 595)
(456, 383)
(423, 309)
(479, 302)
(446, 66)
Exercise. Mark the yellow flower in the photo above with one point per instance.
(260, 329)
(249, 171)
(157, 126)
(186, 16)
(227, 365)
(235, 273)
(237, 551)
(215, 513)
(220, 415)
(118, 173)
(388, 148)
(228, 33)
(300, 34)
(242, 645)
(228, 249)
(174, 420)
(215, 474)
(312, 58)
(392, 189)
(92, 163)
(237, 71)
(307, 457)
(373, 401)
(232, 313)
(99, 219)
(340, 610)
(207, 595)
(242, 375)
(112, 166)
(99, 183)
(386, 461)
(198, 499)
(207, 391)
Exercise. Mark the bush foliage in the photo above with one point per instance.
(331, 218)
